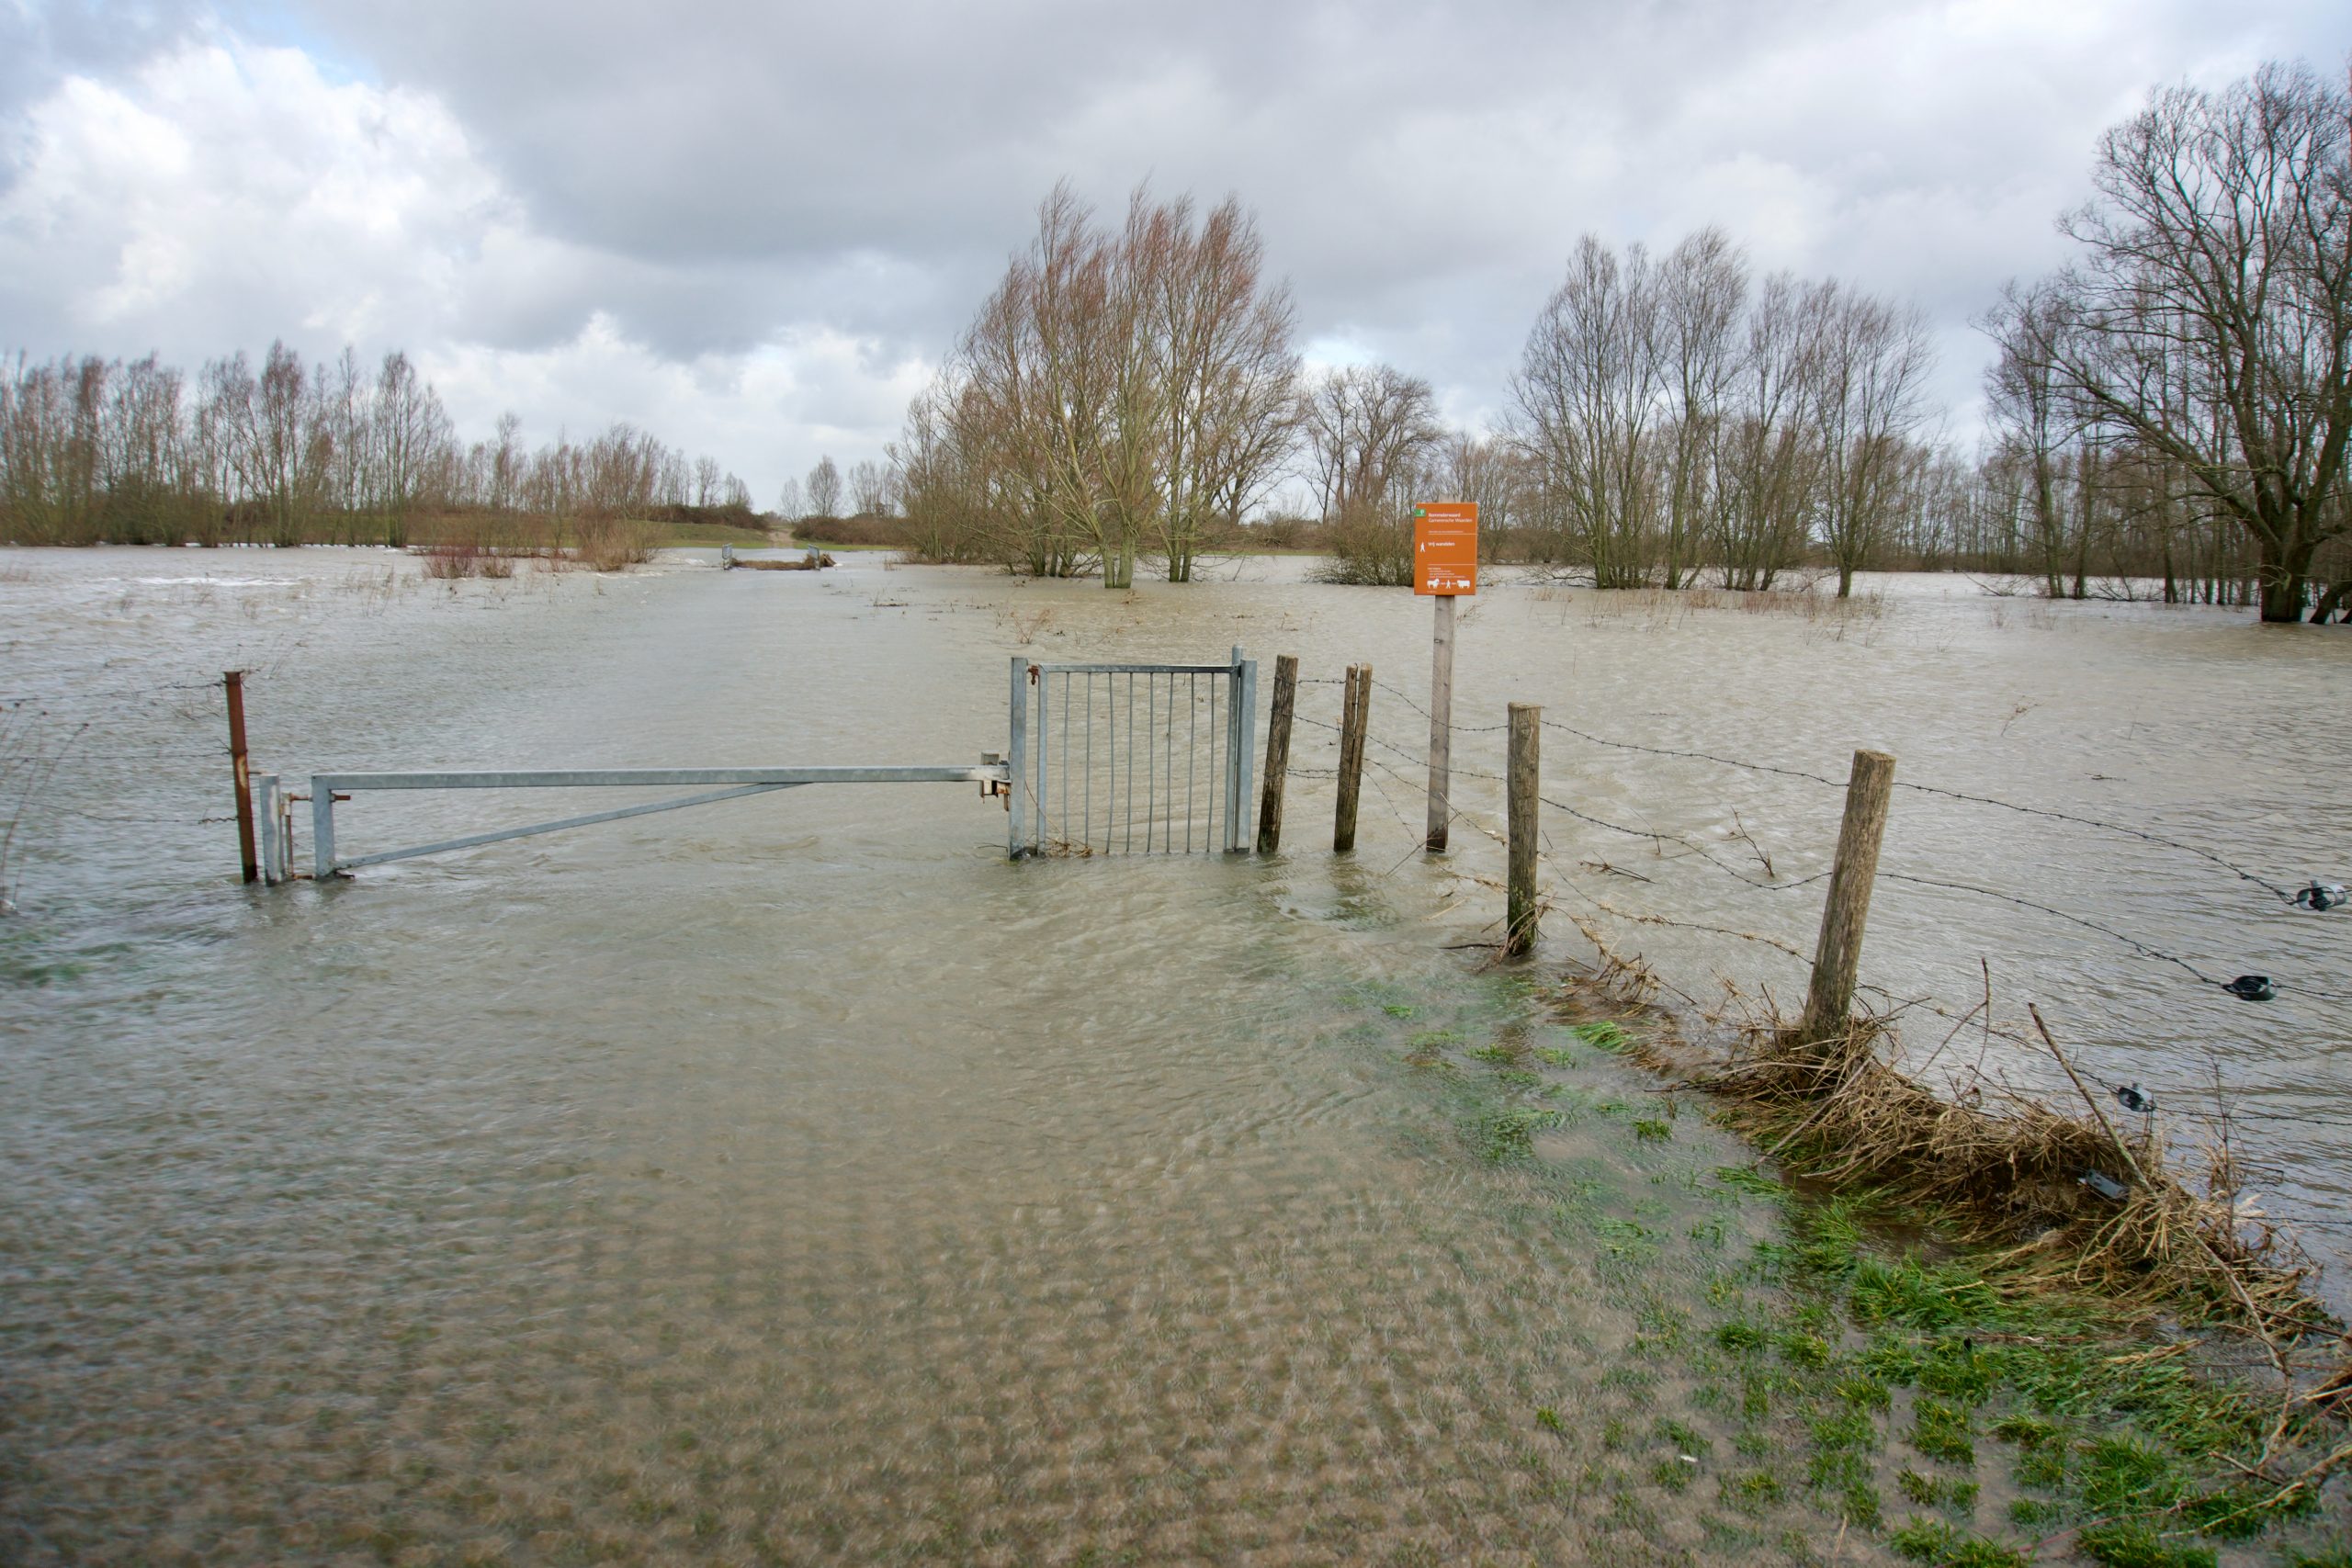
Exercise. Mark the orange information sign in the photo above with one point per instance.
(1445, 546)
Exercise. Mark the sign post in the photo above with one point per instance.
(1445, 566)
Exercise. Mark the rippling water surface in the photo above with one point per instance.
(795, 1178)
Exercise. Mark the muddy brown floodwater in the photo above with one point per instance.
(795, 1180)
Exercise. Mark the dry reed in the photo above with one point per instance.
(2003, 1168)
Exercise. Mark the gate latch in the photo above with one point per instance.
(995, 786)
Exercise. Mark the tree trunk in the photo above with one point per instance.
(2283, 571)
(1845, 580)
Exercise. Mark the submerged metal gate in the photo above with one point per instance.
(326, 789)
(1119, 759)
(1105, 759)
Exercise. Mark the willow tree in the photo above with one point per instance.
(2208, 319)
(1590, 408)
(1123, 389)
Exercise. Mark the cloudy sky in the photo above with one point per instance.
(751, 228)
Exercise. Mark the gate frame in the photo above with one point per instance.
(326, 787)
(1029, 763)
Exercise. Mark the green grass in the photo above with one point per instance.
(2130, 1544)
(1944, 1545)
(1854, 1333)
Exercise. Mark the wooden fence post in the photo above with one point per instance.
(1441, 818)
(1269, 798)
(1837, 957)
(1526, 736)
(234, 681)
(1355, 712)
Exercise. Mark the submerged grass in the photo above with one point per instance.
(1893, 1359)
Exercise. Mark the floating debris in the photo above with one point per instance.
(2322, 896)
(2251, 987)
(2131, 1097)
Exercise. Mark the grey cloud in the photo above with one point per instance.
(710, 177)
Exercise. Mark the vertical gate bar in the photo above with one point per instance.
(1127, 807)
(266, 785)
(1208, 828)
(1018, 756)
(1065, 833)
(1246, 758)
(1150, 750)
(1191, 749)
(1233, 734)
(1044, 751)
(322, 832)
(1090, 760)
(1168, 767)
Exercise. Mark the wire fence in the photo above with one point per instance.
(1393, 769)
(2315, 896)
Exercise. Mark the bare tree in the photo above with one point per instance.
(1702, 288)
(1588, 405)
(1369, 428)
(1372, 439)
(1119, 390)
(1875, 360)
(868, 489)
(506, 464)
(411, 433)
(1223, 338)
(824, 489)
(706, 480)
(791, 504)
(1767, 455)
(2211, 319)
(1491, 474)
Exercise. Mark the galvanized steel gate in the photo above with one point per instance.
(1105, 759)
(1117, 759)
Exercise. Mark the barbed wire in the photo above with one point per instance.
(2051, 813)
(1695, 849)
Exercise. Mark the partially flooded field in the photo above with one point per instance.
(794, 1179)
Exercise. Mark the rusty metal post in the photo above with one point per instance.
(234, 681)
(1270, 806)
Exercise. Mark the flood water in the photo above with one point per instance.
(797, 1180)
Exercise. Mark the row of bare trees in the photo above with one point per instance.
(2192, 370)
(1672, 413)
(2172, 414)
(1133, 391)
(96, 450)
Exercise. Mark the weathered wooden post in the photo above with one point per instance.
(234, 681)
(1355, 712)
(1441, 725)
(1526, 736)
(1445, 562)
(1837, 957)
(1269, 798)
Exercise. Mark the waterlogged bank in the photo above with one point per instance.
(797, 1180)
